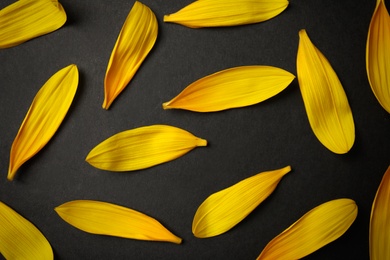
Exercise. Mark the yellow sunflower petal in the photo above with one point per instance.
(315, 229)
(104, 218)
(45, 115)
(142, 147)
(27, 19)
(380, 221)
(216, 13)
(378, 55)
(232, 88)
(20, 239)
(224, 209)
(136, 39)
(326, 103)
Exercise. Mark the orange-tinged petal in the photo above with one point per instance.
(326, 103)
(27, 19)
(136, 39)
(44, 117)
(104, 218)
(317, 228)
(380, 221)
(20, 239)
(223, 210)
(378, 55)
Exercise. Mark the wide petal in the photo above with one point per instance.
(44, 117)
(317, 228)
(326, 103)
(378, 55)
(27, 19)
(380, 221)
(142, 147)
(104, 218)
(216, 13)
(232, 88)
(136, 39)
(223, 210)
(20, 239)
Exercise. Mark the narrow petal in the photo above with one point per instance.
(136, 39)
(27, 19)
(232, 88)
(216, 13)
(112, 220)
(315, 229)
(378, 55)
(142, 148)
(20, 239)
(380, 221)
(224, 209)
(44, 117)
(326, 103)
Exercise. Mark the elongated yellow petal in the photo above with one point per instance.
(136, 39)
(20, 239)
(380, 221)
(326, 104)
(216, 13)
(378, 55)
(27, 19)
(232, 88)
(104, 218)
(317, 228)
(142, 147)
(224, 209)
(45, 115)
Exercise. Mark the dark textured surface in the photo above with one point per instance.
(242, 142)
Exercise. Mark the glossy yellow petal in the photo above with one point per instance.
(27, 19)
(136, 39)
(317, 228)
(20, 239)
(326, 103)
(232, 88)
(45, 115)
(216, 13)
(380, 221)
(142, 147)
(104, 218)
(378, 55)
(224, 209)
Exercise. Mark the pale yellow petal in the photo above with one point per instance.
(44, 116)
(104, 218)
(317, 228)
(232, 88)
(136, 39)
(143, 147)
(326, 103)
(20, 239)
(223, 210)
(380, 221)
(378, 55)
(27, 19)
(216, 13)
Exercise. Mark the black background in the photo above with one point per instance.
(242, 142)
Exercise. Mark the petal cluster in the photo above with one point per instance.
(143, 147)
(104, 218)
(44, 116)
(135, 40)
(223, 210)
(232, 88)
(317, 228)
(27, 19)
(326, 103)
(216, 13)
